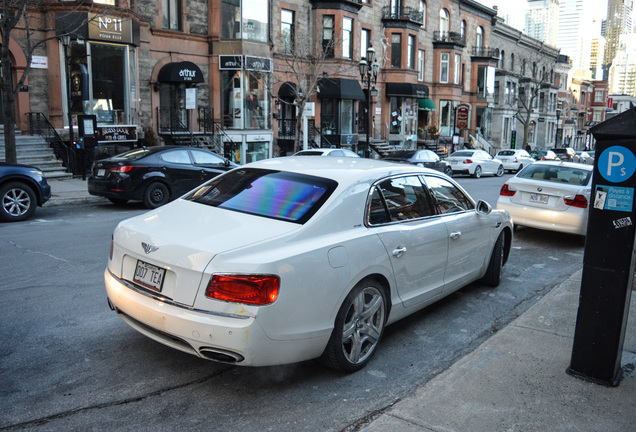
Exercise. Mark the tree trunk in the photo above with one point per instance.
(8, 114)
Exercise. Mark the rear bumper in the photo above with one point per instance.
(120, 188)
(571, 221)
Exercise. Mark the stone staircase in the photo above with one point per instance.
(35, 151)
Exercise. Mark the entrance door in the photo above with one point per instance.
(172, 103)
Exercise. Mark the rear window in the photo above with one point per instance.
(557, 174)
(463, 153)
(506, 153)
(132, 155)
(273, 194)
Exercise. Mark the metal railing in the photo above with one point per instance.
(449, 37)
(485, 52)
(404, 13)
(39, 124)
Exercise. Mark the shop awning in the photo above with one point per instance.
(287, 90)
(340, 88)
(418, 91)
(426, 104)
(180, 72)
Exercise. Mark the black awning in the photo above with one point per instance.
(340, 88)
(180, 72)
(418, 91)
(287, 90)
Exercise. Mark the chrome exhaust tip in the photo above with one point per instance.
(220, 355)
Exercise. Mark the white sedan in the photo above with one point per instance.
(297, 258)
(514, 159)
(549, 195)
(475, 163)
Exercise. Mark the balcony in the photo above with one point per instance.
(442, 39)
(485, 52)
(402, 17)
(348, 5)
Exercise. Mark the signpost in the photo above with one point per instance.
(608, 261)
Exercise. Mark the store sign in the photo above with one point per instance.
(39, 62)
(462, 116)
(117, 133)
(610, 102)
(259, 64)
(110, 28)
(230, 62)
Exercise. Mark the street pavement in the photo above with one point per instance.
(515, 381)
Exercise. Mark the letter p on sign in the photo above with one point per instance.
(616, 164)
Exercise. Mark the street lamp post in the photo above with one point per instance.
(369, 69)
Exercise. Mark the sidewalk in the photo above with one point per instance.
(516, 381)
(71, 191)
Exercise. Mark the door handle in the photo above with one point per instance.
(399, 251)
(455, 235)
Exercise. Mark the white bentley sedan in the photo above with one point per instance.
(298, 258)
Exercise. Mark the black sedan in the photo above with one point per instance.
(154, 175)
(22, 189)
(422, 158)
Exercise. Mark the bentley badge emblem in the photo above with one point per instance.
(539, 189)
(148, 247)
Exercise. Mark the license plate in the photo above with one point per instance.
(539, 198)
(454, 162)
(149, 276)
(101, 173)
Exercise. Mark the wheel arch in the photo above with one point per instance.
(28, 182)
(507, 232)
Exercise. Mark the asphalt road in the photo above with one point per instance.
(69, 363)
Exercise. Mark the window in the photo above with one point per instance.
(448, 198)
(206, 158)
(443, 68)
(443, 22)
(447, 116)
(170, 11)
(423, 12)
(458, 61)
(176, 157)
(404, 198)
(512, 62)
(106, 2)
(396, 50)
(347, 43)
(463, 29)
(365, 38)
(480, 37)
(598, 95)
(244, 19)
(287, 31)
(502, 59)
(597, 116)
(410, 59)
(327, 35)
(420, 65)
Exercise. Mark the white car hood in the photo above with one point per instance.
(187, 236)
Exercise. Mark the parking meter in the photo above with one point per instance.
(87, 141)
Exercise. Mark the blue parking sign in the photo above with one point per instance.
(617, 164)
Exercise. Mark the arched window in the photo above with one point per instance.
(502, 60)
(463, 29)
(512, 62)
(444, 22)
(480, 37)
(423, 12)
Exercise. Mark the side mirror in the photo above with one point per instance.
(483, 207)
(227, 162)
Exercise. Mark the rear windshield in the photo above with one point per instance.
(558, 174)
(506, 153)
(273, 194)
(132, 155)
(463, 153)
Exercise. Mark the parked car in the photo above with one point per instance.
(475, 163)
(544, 155)
(586, 157)
(565, 154)
(22, 189)
(422, 158)
(327, 152)
(290, 259)
(154, 175)
(514, 159)
(549, 195)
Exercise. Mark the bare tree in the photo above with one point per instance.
(29, 18)
(530, 88)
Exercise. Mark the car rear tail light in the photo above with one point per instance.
(576, 201)
(248, 289)
(507, 190)
(468, 161)
(516, 160)
(123, 168)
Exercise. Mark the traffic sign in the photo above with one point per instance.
(617, 164)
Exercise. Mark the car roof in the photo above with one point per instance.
(345, 170)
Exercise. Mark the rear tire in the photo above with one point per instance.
(156, 195)
(500, 171)
(520, 167)
(448, 171)
(495, 266)
(358, 328)
(17, 202)
(477, 172)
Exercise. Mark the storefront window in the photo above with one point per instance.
(107, 92)
(403, 121)
(247, 21)
(256, 151)
(329, 117)
(348, 116)
(246, 103)
(447, 114)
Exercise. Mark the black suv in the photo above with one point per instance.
(22, 189)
